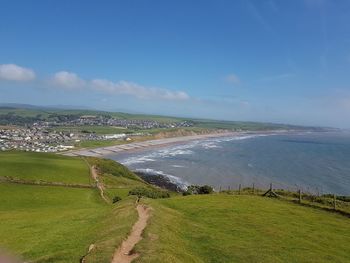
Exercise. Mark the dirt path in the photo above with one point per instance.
(123, 253)
(99, 184)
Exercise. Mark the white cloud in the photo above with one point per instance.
(232, 79)
(136, 90)
(13, 72)
(68, 80)
(71, 81)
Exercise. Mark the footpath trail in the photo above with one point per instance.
(123, 253)
(99, 184)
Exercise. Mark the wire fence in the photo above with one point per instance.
(316, 199)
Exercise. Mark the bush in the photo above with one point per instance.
(196, 189)
(205, 189)
(149, 192)
(116, 199)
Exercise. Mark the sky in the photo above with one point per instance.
(263, 60)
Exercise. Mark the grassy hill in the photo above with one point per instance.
(27, 114)
(226, 228)
(48, 223)
(45, 167)
(58, 224)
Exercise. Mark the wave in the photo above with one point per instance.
(163, 153)
(174, 179)
(184, 149)
(178, 166)
(137, 159)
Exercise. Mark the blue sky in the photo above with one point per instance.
(263, 60)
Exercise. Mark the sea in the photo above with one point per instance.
(315, 162)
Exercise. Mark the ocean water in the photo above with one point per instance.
(314, 162)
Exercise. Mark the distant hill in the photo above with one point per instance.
(20, 114)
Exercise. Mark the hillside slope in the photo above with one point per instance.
(227, 228)
(45, 222)
(50, 223)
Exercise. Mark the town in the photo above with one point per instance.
(43, 136)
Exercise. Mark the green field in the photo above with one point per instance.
(226, 228)
(45, 167)
(58, 224)
(97, 144)
(91, 129)
(49, 224)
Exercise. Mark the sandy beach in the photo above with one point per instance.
(103, 151)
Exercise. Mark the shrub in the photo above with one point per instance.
(116, 199)
(149, 192)
(196, 189)
(205, 189)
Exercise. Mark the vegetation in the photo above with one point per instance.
(26, 114)
(242, 228)
(58, 224)
(198, 190)
(96, 144)
(44, 167)
(91, 129)
(116, 199)
(53, 224)
(149, 192)
(116, 227)
(106, 166)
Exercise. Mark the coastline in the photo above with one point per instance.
(149, 144)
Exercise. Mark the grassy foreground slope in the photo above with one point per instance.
(49, 224)
(45, 167)
(226, 228)
(55, 223)
(59, 223)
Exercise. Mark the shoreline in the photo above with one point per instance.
(155, 143)
(143, 145)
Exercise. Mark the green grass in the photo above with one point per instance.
(49, 224)
(43, 166)
(91, 129)
(119, 186)
(106, 166)
(226, 228)
(117, 179)
(97, 144)
(58, 224)
(116, 227)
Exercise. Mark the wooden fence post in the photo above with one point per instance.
(253, 189)
(239, 189)
(335, 202)
(299, 196)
